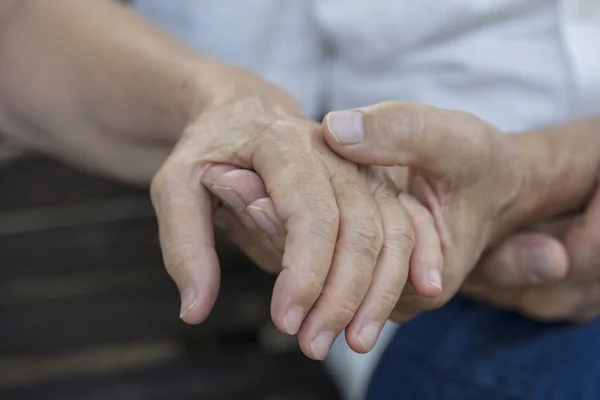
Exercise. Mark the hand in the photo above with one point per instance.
(339, 247)
(550, 274)
(256, 210)
(462, 169)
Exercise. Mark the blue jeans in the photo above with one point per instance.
(468, 351)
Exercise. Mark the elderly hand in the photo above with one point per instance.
(369, 309)
(462, 169)
(126, 95)
(551, 273)
(348, 241)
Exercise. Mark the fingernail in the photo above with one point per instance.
(293, 319)
(262, 219)
(368, 335)
(435, 278)
(188, 301)
(537, 260)
(321, 344)
(230, 197)
(346, 126)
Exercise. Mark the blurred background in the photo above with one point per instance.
(88, 312)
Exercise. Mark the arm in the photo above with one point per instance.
(74, 72)
(549, 270)
(92, 83)
(561, 165)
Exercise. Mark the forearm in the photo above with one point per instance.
(88, 64)
(73, 65)
(560, 170)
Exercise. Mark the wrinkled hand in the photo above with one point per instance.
(550, 274)
(461, 168)
(369, 310)
(348, 241)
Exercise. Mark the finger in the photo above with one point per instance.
(243, 191)
(405, 134)
(411, 303)
(359, 243)
(244, 239)
(184, 212)
(263, 212)
(592, 214)
(523, 260)
(299, 184)
(589, 309)
(389, 277)
(236, 187)
(501, 297)
(248, 187)
(558, 228)
(583, 242)
(553, 303)
(427, 260)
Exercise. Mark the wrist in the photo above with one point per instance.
(558, 171)
(232, 85)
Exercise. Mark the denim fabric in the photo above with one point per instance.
(468, 351)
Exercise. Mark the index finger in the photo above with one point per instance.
(184, 213)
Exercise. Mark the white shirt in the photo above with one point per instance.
(519, 64)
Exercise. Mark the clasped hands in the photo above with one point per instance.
(381, 213)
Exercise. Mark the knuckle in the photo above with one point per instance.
(340, 308)
(177, 257)
(284, 137)
(408, 117)
(365, 236)
(323, 222)
(171, 175)
(327, 213)
(156, 186)
(400, 239)
(389, 296)
(309, 285)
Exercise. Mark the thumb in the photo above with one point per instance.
(400, 133)
(523, 259)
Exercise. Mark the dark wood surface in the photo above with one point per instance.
(88, 312)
